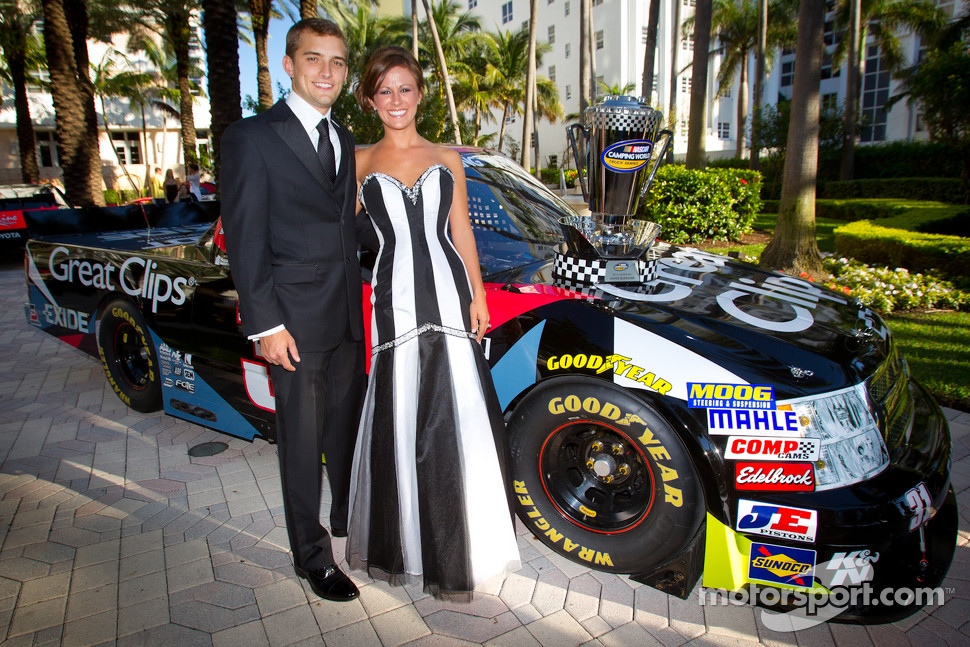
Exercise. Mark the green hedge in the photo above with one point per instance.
(113, 197)
(898, 242)
(924, 188)
(852, 210)
(694, 205)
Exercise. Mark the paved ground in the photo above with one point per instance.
(112, 535)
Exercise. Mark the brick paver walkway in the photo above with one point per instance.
(112, 534)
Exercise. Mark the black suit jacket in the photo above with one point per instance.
(291, 237)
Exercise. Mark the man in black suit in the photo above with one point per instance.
(288, 200)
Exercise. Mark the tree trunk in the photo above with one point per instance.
(75, 156)
(585, 55)
(77, 20)
(259, 11)
(672, 115)
(26, 142)
(742, 107)
(530, 89)
(852, 74)
(443, 65)
(414, 29)
(308, 9)
(222, 59)
(697, 121)
(501, 128)
(793, 247)
(178, 30)
(650, 51)
(759, 85)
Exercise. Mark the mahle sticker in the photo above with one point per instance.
(628, 156)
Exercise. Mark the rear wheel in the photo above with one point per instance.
(128, 356)
(601, 477)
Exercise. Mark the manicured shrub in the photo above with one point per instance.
(694, 205)
(887, 290)
(911, 188)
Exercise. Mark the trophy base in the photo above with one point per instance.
(572, 269)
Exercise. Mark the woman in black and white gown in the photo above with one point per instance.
(429, 501)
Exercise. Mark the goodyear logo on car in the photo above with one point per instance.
(628, 156)
(781, 565)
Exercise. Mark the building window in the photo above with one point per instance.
(597, 3)
(875, 93)
(552, 34)
(830, 102)
(47, 148)
(568, 49)
(506, 13)
(690, 3)
(472, 4)
(787, 73)
(566, 7)
(525, 25)
(127, 146)
(685, 84)
(569, 92)
(723, 130)
(827, 71)
(687, 44)
(599, 39)
(552, 73)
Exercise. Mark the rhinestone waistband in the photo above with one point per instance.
(420, 330)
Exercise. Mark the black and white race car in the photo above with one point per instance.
(704, 418)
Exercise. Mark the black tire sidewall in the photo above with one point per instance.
(678, 504)
(115, 315)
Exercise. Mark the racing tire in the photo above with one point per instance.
(128, 356)
(600, 477)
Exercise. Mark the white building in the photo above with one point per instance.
(619, 28)
(131, 148)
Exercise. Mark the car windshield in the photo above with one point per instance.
(516, 219)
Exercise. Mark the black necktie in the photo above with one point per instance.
(325, 151)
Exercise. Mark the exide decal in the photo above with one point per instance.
(730, 396)
(724, 422)
(788, 477)
(783, 522)
(768, 448)
(781, 565)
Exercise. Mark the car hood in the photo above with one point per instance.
(763, 326)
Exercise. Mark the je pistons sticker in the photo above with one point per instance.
(628, 156)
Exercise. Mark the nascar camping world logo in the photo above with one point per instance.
(628, 156)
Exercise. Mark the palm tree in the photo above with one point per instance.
(616, 89)
(308, 9)
(735, 24)
(507, 60)
(109, 82)
(793, 246)
(222, 62)
(171, 20)
(260, 13)
(443, 69)
(78, 151)
(22, 53)
(530, 90)
(650, 49)
(585, 55)
(697, 123)
(883, 20)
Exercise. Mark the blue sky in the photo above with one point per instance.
(276, 48)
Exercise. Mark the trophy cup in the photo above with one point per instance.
(622, 147)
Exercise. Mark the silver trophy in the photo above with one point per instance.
(621, 148)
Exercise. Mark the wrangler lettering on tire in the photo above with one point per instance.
(128, 356)
(600, 477)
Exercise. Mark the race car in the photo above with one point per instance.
(683, 415)
(14, 198)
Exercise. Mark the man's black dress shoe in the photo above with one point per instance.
(338, 532)
(329, 583)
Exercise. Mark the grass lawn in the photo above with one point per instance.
(937, 347)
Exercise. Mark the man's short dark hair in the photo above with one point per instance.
(318, 26)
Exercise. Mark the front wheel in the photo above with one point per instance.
(128, 356)
(600, 477)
